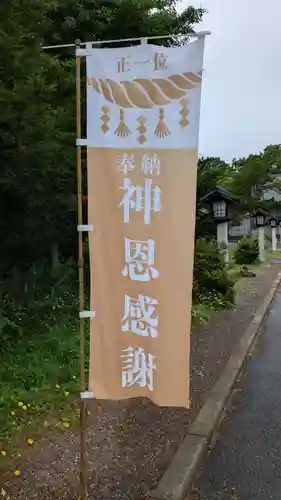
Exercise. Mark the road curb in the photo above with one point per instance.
(180, 474)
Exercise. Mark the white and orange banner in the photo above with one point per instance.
(143, 106)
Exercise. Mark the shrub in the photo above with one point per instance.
(46, 302)
(210, 276)
(247, 251)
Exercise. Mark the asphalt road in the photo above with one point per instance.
(245, 463)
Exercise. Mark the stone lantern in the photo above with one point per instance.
(273, 223)
(221, 201)
(260, 220)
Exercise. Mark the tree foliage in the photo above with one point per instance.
(37, 121)
(210, 274)
(248, 178)
(255, 175)
(247, 250)
(111, 20)
(211, 172)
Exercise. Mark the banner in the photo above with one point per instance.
(143, 106)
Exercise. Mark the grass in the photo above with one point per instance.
(231, 249)
(39, 373)
(39, 387)
(271, 255)
(236, 271)
(39, 369)
(202, 311)
(208, 304)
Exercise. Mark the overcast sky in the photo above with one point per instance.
(241, 100)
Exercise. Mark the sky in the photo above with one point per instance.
(241, 95)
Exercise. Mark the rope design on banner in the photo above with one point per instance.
(147, 93)
(184, 112)
(122, 129)
(162, 129)
(142, 129)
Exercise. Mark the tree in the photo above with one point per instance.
(211, 172)
(37, 121)
(91, 20)
(272, 157)
(249, 178)
(36, 183)
(254, 175)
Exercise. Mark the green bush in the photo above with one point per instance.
(45, 302)
(210, 276)
(39, 352)
(247, 251)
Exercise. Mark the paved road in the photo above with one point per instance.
(245, 463)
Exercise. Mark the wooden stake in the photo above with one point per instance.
(83, 408)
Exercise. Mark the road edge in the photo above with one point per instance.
(182, 470)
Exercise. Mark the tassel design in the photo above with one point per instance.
(105, 119)
(122, 129)
(184, 112)
(162, 129)
(142, 129)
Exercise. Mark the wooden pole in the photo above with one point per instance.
(83, 409)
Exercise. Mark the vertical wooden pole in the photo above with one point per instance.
(83, 409)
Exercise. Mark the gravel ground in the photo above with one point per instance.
(130, 444)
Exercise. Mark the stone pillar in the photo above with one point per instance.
(222, 239)
(261, 244)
